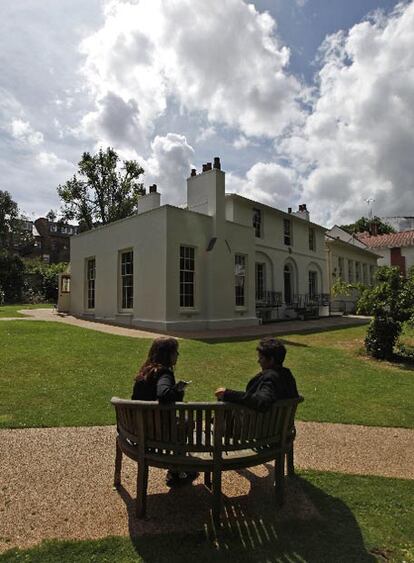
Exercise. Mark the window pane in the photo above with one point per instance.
(187, 277)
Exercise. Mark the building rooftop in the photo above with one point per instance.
(392, 240)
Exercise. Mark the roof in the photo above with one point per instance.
(230, 195)
(393, 240)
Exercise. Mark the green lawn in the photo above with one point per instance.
(59, 375)
(336, 518)
(12, 310)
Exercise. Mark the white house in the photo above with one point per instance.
(223, 261)
(350, 260)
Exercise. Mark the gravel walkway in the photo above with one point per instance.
(282, 327)
(57, 482)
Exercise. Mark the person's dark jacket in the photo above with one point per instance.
(264, 389)
(160, 387)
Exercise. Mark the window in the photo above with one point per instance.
(239, 279)
(313, 284)
(287, 232)
(312, 239)
(257, 222)
(260, 281)
(350, 271)
(357, 272)
(90, 280)
(127, 279)
(53, 228)
(65, 284)
(364, 274)
(341, 268)
(187, 273)
(288, 284)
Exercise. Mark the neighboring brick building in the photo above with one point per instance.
(51, 240)
(397, 249)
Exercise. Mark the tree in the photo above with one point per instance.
(103, 191)
(365, 225)
(9, 215)
(391, 302)
(51, 216)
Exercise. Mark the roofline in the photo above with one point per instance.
(275, 209)
(349, 244)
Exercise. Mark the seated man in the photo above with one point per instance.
(274, 382)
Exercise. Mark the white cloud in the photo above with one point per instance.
(193, 51)
(23, 131)
(358, 141)
(242, 142)
(268, 183)
(205, 134)
(169, 165)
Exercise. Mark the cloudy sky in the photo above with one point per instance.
(304, 100)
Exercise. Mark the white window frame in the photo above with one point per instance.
(123, 277)
(187, 276)
(312, 284)
(257, 225)
(287, 233)
(90, 279)
(260, 280)
(240, 278)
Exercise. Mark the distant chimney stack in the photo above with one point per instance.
(193, 172)
(204, 167)
(289, 210)
(217, 163)
(208, 166)
(302, 212)
(153, 189)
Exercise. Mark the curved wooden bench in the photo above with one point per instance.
(204, 437)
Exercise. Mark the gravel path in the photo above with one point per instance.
(57, 482)
(283, 327)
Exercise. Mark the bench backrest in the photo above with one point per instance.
(203, 427)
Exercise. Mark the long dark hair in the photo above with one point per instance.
(159, 356)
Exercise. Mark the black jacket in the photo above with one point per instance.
(161, 387)
(264, 389)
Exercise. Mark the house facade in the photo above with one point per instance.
(396, 249)
(223, 261)
(351, 261)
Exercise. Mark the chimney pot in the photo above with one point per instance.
(217, 163)
(304, 207)
(153, 189)
(193, 172)
(204, 167)
(208, 166)
(289, 210)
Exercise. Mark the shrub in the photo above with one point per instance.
(381, 337)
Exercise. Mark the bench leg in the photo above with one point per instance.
(290, 462)
(118, 465)
(216, 497)
(207, 479)
(280, 479)
(142, 484)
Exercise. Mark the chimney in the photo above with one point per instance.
(373, 228)
(193, 172)
(206, 194)
(149, 201)
(302, 212)
(289, 210)
(217, 163)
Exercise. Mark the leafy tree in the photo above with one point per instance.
(11, 277)
(42, 279)
(365, 225)
(9, 215)
(103, 190)
(391, 302)
(51, 216)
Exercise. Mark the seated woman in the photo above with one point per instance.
(274, 382)
(155, 381)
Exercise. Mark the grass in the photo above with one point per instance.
(336, 518)
(13, 310)
(58, 375)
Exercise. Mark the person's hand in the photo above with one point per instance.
(219, 392)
